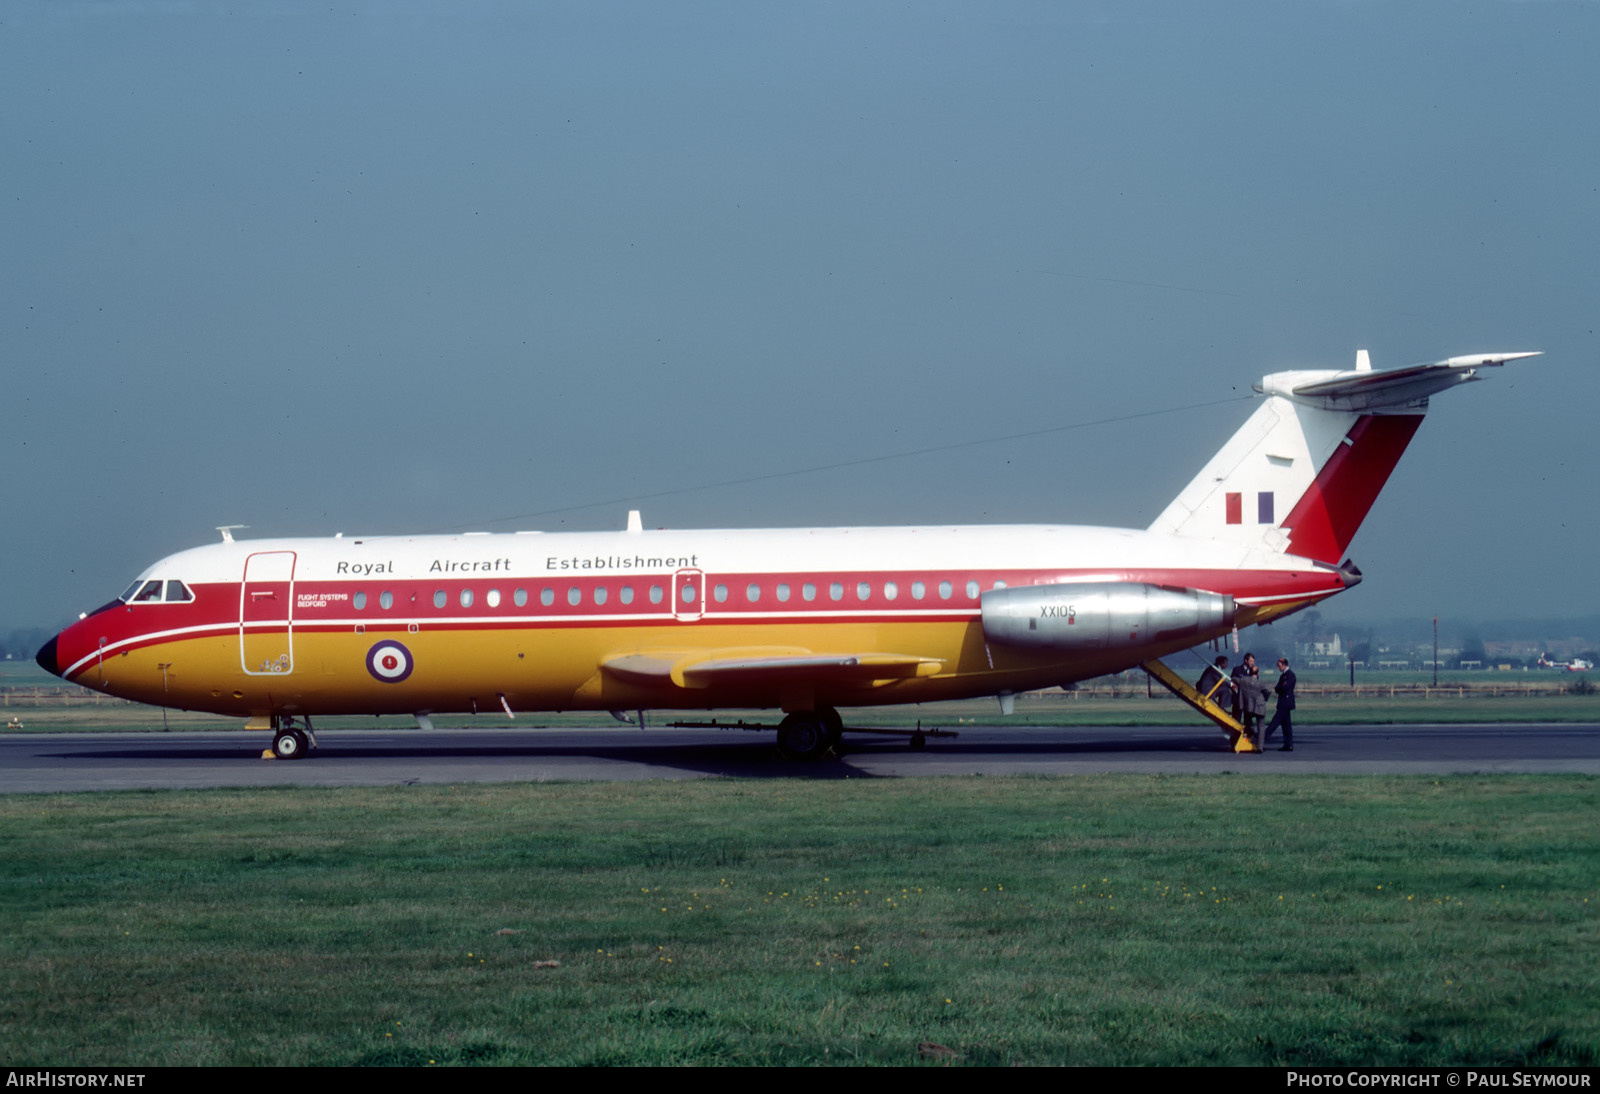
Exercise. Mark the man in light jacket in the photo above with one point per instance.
(1251, 695)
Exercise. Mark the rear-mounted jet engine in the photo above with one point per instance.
(1102, 615)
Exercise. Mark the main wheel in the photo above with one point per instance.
(803, 736)
(835, 724)
(290, 744)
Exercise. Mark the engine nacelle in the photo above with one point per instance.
(1102, 615)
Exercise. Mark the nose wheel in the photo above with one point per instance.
(289, 741)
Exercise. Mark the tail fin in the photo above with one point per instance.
(1301, 474)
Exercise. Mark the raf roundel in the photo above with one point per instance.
(389, 662)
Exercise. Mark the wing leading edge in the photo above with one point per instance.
(699, 669)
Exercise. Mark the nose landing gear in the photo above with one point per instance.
(289, 741)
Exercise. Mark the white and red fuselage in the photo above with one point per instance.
(531, 622)
(797, 619)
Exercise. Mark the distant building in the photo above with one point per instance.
(1328, 645)
(1520, 650)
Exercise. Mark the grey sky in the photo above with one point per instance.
(389, 267)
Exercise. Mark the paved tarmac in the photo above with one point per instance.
(127, 761)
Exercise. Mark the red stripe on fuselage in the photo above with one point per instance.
(1325, 519)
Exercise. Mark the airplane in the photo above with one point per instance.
(802, 620)
(1577, 664)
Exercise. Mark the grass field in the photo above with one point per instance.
(1089, 920)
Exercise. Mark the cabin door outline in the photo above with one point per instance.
(266, 614)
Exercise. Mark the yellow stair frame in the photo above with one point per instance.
(1191, 695)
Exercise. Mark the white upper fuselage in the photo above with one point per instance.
(1076, 551)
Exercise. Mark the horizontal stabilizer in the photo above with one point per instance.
(1368, 389)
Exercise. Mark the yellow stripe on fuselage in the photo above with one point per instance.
(559, 668)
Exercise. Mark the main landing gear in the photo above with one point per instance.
(806, 735)
(810, 734)
(289, 741)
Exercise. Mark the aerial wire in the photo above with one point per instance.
(840, 465)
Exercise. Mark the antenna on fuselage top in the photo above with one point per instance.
(227, 531)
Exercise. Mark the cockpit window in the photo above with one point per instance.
(151, 592)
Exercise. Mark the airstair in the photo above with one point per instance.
(1202, 703)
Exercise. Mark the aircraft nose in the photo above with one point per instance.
(47, 658)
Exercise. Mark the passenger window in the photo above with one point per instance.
(493, 598)
(466, 598)
(890, 590)
(360, 601)
(808, 591)
(783, 593)
(752, 592)
(836, 591)
(178, 593)
(655, 594)
(945, 590)
(918, 590)
(574, 596)
(863, 590)
(972, 590)
(547, 597)
(520, 597)
(386, 600)
(627, 594)
(999, 584)
(687, 595)
(600, 594)
(721, 593)
(439, 598)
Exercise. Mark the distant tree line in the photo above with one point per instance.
(21, 643)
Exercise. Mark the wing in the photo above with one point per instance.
(765, 665)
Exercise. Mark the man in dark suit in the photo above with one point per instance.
(1283, 715)
(1215, 685)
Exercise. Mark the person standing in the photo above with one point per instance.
(1214, 685)
(1250, 696)
(1282, 716)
